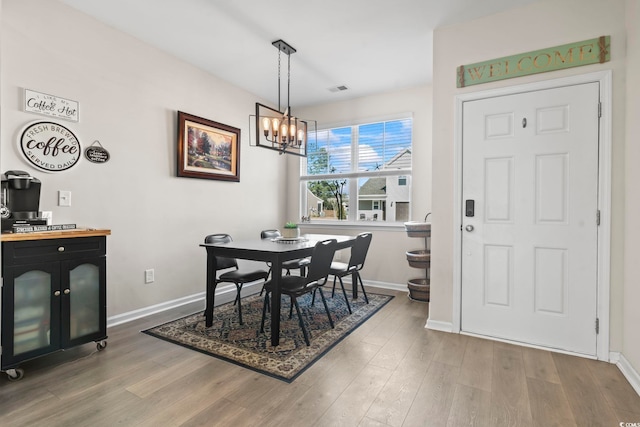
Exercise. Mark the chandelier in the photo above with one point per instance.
(278, 130)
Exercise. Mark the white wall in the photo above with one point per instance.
(386, 260)
(129, 94)
(631, 320)
(539, 25)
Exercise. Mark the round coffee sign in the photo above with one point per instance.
(50, 146)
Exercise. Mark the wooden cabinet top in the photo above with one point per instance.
(65, 234)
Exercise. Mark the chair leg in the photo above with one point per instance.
(333, 291)
(313, 298)
(264, 311)
(239, 286)
(301, 321)
(291, 307)
(344, 292)
(265, 280)
(268, 305)
(326, 307)
(362, 286)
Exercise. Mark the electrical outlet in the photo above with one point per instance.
(48, 215)
(149, 276)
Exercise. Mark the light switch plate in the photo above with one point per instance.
(64, 198)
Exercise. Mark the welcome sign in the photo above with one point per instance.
(570, 55)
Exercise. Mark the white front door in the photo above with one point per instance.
(529, 238)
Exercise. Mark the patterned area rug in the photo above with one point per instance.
(244, 345)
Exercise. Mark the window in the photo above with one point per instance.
(359, 173)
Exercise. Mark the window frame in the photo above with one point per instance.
(354, 175)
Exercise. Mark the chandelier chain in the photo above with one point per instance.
(279, 90)
(289, 85)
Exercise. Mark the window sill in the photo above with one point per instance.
(361, 225)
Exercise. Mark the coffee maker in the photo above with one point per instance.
(20, 200)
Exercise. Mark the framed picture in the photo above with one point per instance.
(207, 149)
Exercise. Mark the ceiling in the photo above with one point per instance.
(369, 46)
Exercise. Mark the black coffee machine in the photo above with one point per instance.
(20, 199)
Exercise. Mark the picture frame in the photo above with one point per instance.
(207, 149)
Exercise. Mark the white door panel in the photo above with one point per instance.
(530, 163)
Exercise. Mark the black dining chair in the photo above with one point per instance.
(294, 264)
(235, 276)
(356, 262)
(297, 286)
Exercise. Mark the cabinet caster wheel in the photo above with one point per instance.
(15, 374)
(101, 345)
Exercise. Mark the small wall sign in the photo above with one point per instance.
(50, 146)
(50, 105)
(586, 52)
(95, 153)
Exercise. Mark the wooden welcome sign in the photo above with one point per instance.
(570, 55)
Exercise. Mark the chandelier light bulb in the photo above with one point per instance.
(266, 126)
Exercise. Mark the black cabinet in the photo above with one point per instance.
(53, 297)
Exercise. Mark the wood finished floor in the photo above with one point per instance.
(389, 372)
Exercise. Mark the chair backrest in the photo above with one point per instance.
(321, 259)
(270, 234)
(359, 251)
(222, 263)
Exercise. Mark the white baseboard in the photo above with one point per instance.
(439, 326)
(376, 284)
(614, 357)
(223, 294)
(627, 370)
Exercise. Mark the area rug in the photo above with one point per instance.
(244, 345)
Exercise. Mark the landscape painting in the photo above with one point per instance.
(207, 149)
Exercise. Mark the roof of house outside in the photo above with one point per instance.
(376, 185)
(401, 160)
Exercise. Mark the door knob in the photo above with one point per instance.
(469, 228)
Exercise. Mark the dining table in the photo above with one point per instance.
(274, 251)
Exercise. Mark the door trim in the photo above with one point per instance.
(604, 194)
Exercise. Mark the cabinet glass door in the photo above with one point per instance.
(86, 293)
(32, 294)
(84, 300)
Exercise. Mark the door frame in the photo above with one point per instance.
(604, 194)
